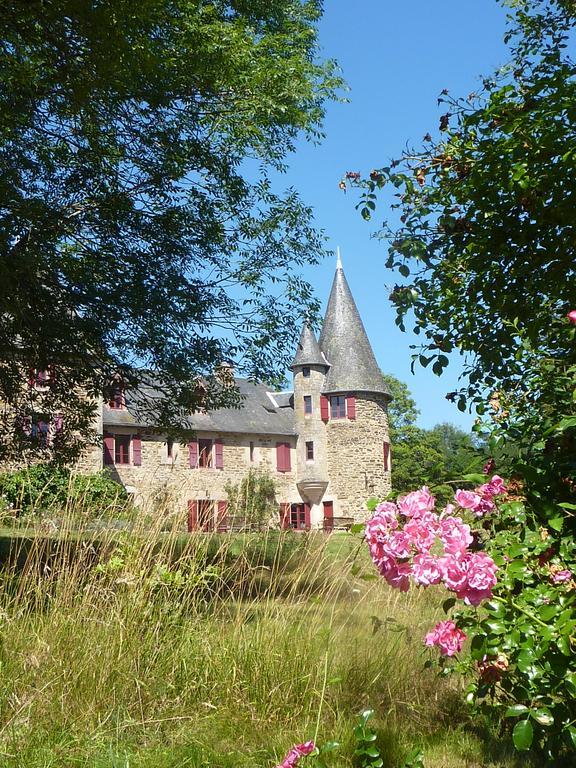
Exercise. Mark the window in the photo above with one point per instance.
(204, 453)
(387, 457)
(306, 371)
(39, 432)
(309, 450)
(251, 453)
(200, 454)
(40, 429)
(122, 449)
(307, 404)
(299, 517)
(41, 378)
(117, 399)
(170, 447)
(337, 407)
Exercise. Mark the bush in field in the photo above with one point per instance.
(47, 489)
(252, 501)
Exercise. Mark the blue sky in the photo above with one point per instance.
(396, 58)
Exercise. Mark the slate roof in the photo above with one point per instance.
(353, 367)
(262, 412)
(308, 352)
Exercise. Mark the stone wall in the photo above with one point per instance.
(163, 486)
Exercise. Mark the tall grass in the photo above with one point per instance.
(146, 649)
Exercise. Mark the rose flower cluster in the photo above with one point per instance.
(409, 541)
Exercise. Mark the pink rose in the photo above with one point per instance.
(416, 503)
(399, 577)
(426, 570)
(447, 637)
(422, 531)
(455, 535)
(388, 512)
(572, 316)
(397, 545)
(480, 578)
(467, 499)
(298, 750)
(453, 568)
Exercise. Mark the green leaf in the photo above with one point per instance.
(556, 523)
(515, 710)
(522, 735)
(357, 528)
(448, 604)
(542, 716)
(475, 478)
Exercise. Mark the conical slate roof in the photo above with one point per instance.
(308, 352)
(353, 367)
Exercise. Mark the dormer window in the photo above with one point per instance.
(117, 400)
(41, 378)
(306, 371)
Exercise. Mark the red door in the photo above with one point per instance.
(328, 516)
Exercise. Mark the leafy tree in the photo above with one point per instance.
(426, 457)
(486, 247)
(486, 243)
(402, 411)
(138, 227)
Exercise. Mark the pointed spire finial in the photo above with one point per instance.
(338, 259)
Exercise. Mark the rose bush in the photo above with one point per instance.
(514, 599)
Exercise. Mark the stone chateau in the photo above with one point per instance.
(325, 443)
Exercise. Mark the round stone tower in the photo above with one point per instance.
(355, 403)
(309, 368)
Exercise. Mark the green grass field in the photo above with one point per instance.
(221, 653)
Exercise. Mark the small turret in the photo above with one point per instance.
(308, 352)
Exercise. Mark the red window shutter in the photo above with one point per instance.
(284, 516)
(192, 515)
(351, 407)
(137, 451)
(306, 517)
(287, 461)
(108, 449)
(193, 454)
(221, 521)
(324, 408)
(280, 466)
(386, 456)
(219, 451)
(328, 515)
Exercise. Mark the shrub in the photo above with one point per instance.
(46, 489)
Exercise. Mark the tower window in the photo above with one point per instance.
(170, 447)
(337, 407)
(307, 404)
(252, 458)
(309, 450)
(306, 371)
